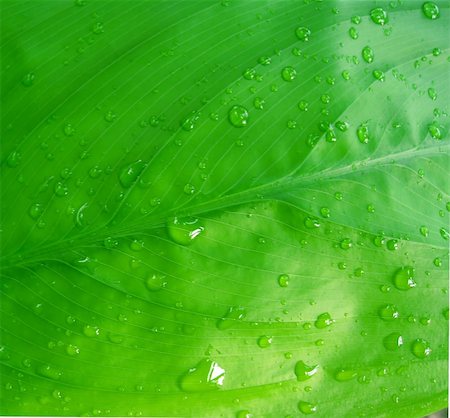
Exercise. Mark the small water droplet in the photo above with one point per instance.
(130, 173)
(303, 33)
(28, 79)
(393, 341)
(421, 348)
(233, 315)
(184, 230)
(323, 320)
(238, 116)
(72, 350)
(388, 312)
(325, 212)
(378, 75)
(48, 371)
(304, 372)
(423, 231)
(61, 189)
(13, 159)
(404, 278)
(245, 413)
(36, 210)
(444, 233)
(259, 103)
(155, 282)
(206, 376)
(363, 133)
(307, 408)
(353, 33)
(264, 341)
(379, 16)
(283, 280)
(311, 223)
(288, 73)
(367, 54)
(437, 262)
(91, 331)
(435, 131)
(430, 10)
(68, 129)
(346, 244)
(392, 245)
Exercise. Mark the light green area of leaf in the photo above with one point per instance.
(211, 208)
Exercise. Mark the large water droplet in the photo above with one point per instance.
(379, 16)
(421, 348)
(307, 408)
(324, 320)
(305, 372)
(288, 73)
(393, 341)
(404, 278)
(206, 376)
(129, 174)
(238, 116)
(303, 33)
(234, 314)
(265, 341)
(367, 54)
(430, 10)
(184, 230)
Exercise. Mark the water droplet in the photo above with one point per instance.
(234, 314)
(445, 313)
(432, 94)
(378, 75)
(264, 341)
(346, 75)
(28, 79)
(264, 60)
(189, 122)
(342, 126)
(379, 16)
(189, 189)
(238, 116)
(342, 265)
(155, 282)
(392, 245)
(421, 348)
(48, 371)
(363, 133)
(207, 375)
(367, 54)
(353, 33)
(13, 159)
(393, 341)
(72, 350)
(325, 212)
(259, 103)
(430, 10)
(244, 414)
(288, 73)
(338, 196)
(437, 262)
(307, 408)
(444, 233)
(61, 189)
(249, 74)
(283, 280)
(346, 244)
(305, 372)
(97, 28)
(435, 131)
(345, 375)
(68, 129)
(129, 174)
(36, 210)
(303, 33)
(423, 231)
(110, 116)
(404, 278)
(184, 230)
(323, 320)
(312, 223)
(91, 331)
(388, 312)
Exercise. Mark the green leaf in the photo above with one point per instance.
(224, 208)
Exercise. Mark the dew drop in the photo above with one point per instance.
(421, 348)
(444, 233)
(259, 103)
(404, 278)
(437, 262)
(325, 212)
(393, 341)
(265, 341)
(36, 210)
(238, 116)
(378, 75)
(423, 231)
(304, 372)
(392, 245)
(288, 73)
(206, 376)
(72, 350)
(323, 320)
(379, 16)
(13, 159)
(155, 282)
(344, 375)
(303, 33)
(184, 230)
(432, 94)
(430, 10)
(342, 126)
(189, 189)
(28, 79)
(363, 133)
(245, 413)
(312, 223)
(129, 174)
(91, 331)
(48, 371)
(233, 315)
(68, 129)
(346, 244)
(388, 312)
(353, 33)
(435, 131)
(61, 189)
(307, 408)
(367, 54)
(283, 280)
